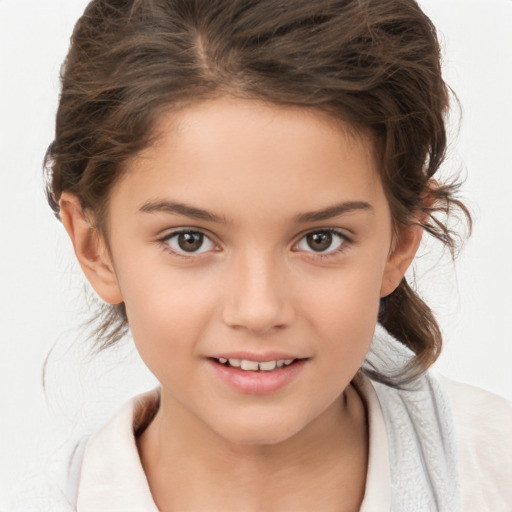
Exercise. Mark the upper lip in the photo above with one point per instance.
(252, 356)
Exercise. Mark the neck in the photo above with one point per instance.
(321, 468)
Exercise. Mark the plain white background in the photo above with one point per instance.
(41, 290)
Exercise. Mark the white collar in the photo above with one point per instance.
(112, 478)
(377, 495)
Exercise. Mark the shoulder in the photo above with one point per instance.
(78, 469)
(458, 438)
(111, 456)
(477, 411)
(483, 434)
(50, 485)
(450, 442)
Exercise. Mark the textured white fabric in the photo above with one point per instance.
(422, 451)
(450, 444)
(420, 433)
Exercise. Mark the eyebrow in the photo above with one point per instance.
(193, 212)
(180, 209)
(334, 211)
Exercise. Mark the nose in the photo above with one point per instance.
(257, 296)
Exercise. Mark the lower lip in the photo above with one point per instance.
(257, 382)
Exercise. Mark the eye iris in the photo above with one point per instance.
(190, 242)
(319, 241)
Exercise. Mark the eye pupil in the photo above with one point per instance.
(190, 242)
(319, 241)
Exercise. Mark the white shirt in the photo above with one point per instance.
(112, 478)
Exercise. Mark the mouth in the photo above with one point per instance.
(254, 366)
(257, 374)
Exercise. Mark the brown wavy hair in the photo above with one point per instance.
(372, 63)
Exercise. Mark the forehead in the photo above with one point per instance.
(233, 152)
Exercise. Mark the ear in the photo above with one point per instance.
(90, 249)
(401, 256)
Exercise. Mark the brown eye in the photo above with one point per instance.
(321, 241)
(189, 242)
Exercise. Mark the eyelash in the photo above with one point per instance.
(345, 243)
(165, 242)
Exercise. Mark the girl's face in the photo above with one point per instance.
(252, 233)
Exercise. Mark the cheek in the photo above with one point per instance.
(166, 309)
(347, 321)
(344, 310)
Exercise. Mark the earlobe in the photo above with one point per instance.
(90, 249)
(400, 258)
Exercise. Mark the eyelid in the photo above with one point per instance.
(346, 241)
(164, 240)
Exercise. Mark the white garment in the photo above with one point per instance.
(438, 446)
(107, 476)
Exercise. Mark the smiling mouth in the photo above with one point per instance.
(254, 366)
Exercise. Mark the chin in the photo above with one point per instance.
(263, 432)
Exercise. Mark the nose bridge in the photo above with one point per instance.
(257, 297)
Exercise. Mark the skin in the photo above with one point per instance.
(256, 284)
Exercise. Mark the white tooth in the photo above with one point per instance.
(235, 363)
(222, 360)
(288, 361)
(267, 366)
(249, 365)
(280, 363)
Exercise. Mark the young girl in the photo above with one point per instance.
(245, 184)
